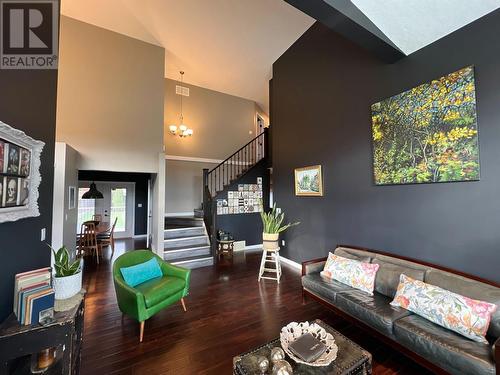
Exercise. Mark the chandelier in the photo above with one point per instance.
(182, 130)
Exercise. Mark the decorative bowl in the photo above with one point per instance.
(294, 330)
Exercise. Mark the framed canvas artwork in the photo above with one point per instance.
(19, 174)
(427, 134)
(309, 181)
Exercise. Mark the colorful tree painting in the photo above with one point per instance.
(428, 133)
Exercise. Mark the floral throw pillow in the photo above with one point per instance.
(463, 315)
(357, 274)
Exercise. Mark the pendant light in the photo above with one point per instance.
(182, 131)
(92, 193)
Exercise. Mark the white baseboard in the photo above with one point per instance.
(291, 263)
(177, 214)
(254, 247)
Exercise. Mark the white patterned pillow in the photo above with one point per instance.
(357, 274)
(463, 315)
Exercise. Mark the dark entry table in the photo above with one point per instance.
(351, 358)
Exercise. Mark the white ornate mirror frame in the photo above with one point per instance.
(18, 137)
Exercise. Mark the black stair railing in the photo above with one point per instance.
(216, 179)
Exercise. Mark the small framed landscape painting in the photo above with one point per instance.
(309, 181)
(428, 134)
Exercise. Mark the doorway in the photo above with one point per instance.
(117, 204)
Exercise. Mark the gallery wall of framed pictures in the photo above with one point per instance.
(15, 165)
(19, 174)
(246, 200)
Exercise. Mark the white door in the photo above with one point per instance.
(117, 203)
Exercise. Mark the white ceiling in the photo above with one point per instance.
(224, 45)
(414, 24)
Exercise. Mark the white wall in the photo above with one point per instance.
(184, 185)
(64, 219)
(110, 98)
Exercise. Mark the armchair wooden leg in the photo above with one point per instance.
(142, 331)
(183, 304)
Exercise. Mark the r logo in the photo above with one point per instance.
(29, 34)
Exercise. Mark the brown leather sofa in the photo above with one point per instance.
(435, 347)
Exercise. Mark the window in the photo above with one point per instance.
(119, 208)
(86, 209)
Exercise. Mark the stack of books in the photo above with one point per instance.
(33, 294)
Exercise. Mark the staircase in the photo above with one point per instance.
(186, 242)
(190, 241)
(216, 180)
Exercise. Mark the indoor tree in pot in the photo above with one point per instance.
(68, 275)
(272, 227)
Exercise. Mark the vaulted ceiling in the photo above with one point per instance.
(224, 45)
(230, 45)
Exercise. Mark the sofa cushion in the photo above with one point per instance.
(463, 315)
(141, 272)
(469, 288)
(359, 275)
(388, 274)
(325, 288)
(159, 289)
(372, 310)
(355, 254)
(450, 351)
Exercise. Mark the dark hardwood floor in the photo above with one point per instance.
(229, 312)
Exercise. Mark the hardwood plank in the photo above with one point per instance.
(229, 312)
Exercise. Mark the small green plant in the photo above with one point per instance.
(63, 264)
(272, 221)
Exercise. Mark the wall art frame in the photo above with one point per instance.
(26, 177)
(309, 181)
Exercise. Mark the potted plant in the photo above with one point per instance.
(68, 275)
(272, 227)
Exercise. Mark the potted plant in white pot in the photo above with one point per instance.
(68, 275)
(272, 227)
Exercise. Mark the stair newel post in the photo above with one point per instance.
(265, 134)
(206, 191)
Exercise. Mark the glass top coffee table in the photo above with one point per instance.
(351, 358)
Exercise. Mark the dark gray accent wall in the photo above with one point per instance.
(323, 87)
(246, 227)
(141, 192)
(28, 103)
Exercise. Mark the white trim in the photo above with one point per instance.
(193, 158)
(180, 229)
(140, 236)
(190, 260)
(182, 214)
(291, 263)
(254, 247)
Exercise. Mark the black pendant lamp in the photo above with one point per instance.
(92, 193)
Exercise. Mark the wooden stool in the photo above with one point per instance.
(270, 256)
(225, 247)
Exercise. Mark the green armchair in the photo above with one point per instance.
(144, 300)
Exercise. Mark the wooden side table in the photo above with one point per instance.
(225, 248)
(271, 256)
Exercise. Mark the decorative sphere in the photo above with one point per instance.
(282, 367)
(277, 354)
(263, 364)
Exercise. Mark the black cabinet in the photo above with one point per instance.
(19, 343)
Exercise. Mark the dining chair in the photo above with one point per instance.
(88, 240)
(107, 238)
